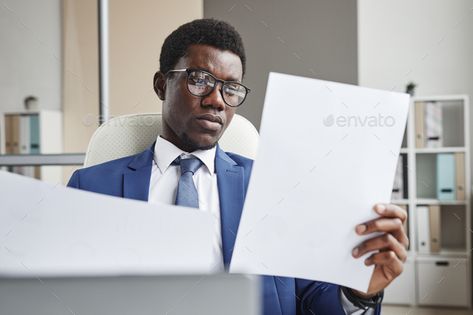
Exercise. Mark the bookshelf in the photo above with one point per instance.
(437, 153)
(31, 133)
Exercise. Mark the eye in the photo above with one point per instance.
(232, 90)
(199, 78)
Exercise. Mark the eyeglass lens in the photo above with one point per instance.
(201, 83)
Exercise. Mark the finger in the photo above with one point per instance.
(391, 211)
(387, 259)
(393, 226)
(380, 225)
(386, 242)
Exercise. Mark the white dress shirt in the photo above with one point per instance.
(163, 188)
(165, 178)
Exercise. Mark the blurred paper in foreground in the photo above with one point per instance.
(52, 230)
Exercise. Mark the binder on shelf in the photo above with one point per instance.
(34, 142)
(25, 144)
(400, 179)
(34, 134)
(15, 134)
(24, 134)
(446, 176)
(423, 226)
(433, 125)
(405, 180)
(435, 228)
(460, 175)
(8, 134)
(419, 124)
(27, 133)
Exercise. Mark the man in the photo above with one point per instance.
(202, 64)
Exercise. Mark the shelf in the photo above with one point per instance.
(439, 202)
(441, 98)
(446, 224)
(440, 150)
(460, 253)
(400, 201)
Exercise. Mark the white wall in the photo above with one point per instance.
(137, 32)
(30, 53)
(429, 42)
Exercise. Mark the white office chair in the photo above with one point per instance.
(130, 134)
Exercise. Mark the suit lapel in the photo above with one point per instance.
(136, 179)
(230, 182)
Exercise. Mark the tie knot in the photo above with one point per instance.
(188, 165)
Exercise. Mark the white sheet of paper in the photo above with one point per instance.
(54, 230)
(327, 153)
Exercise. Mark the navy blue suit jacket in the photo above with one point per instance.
(129, 177)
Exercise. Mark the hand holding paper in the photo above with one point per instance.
(389, 248)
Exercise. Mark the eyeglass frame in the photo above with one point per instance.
(217, 80)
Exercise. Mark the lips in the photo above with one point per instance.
(210, 122)
(210, 117)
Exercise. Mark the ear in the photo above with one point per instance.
(159, 85)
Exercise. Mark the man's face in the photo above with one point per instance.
(192, 122)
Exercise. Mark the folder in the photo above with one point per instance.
(435, 228)
(15, 140)
(405, 181)
(24, 134)
(25, 144)
(433, 125)
(419, 124)
(460, 175)
(15, 134)
(446, 176)
(400, 185)
(8, 134)
(34, 134)
(423, 227)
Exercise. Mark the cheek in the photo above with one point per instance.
(229, 113)
(178, 105)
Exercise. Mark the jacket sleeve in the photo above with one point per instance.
(320, 298)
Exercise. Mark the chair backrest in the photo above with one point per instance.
(130, 134)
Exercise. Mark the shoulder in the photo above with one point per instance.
(109, 167)
(110, 171)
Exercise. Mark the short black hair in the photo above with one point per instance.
(210, 32)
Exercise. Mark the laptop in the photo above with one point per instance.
(138, 295)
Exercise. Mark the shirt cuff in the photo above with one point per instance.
(351, 309)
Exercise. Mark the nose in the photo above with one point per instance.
(215, 98)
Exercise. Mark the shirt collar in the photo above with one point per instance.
(168, 152)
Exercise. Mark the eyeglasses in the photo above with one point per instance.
(201, 83)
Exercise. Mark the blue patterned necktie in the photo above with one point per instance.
(186, 192)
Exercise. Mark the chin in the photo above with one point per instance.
(205, 143)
